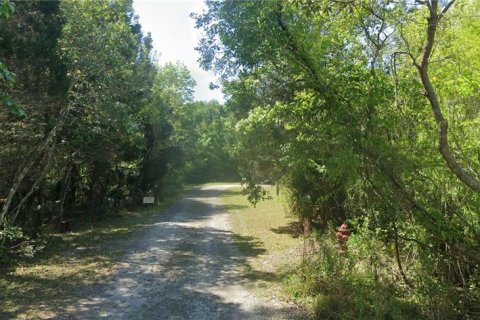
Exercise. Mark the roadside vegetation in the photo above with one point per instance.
(325, 281)
(39, 286)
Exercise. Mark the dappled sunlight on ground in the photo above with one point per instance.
(185, 264)
(269, 226)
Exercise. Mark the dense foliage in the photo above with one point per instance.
(348, 103)
(90, 123)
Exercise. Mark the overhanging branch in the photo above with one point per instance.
(467, 178)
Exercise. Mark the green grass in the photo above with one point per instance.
(270, 228)
(40, 287)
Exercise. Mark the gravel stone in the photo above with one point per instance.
(184, 266)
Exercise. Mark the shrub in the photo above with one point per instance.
(343, 285)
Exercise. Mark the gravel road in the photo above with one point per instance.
(184, 266)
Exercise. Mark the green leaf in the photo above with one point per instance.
(7, 8)
(13, 106)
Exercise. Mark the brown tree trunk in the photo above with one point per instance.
(308, 244)
(434, 18)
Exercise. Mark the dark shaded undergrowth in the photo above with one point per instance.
(38, 285)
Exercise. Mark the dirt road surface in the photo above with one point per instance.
(184, 266)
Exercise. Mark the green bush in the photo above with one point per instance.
(364, 283)
(14, 244)
(345, 286)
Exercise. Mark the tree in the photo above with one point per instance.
(468, 178)
(322, 95)
(6, 10)
(84, 73)
(172, 88)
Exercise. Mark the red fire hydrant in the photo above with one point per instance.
(342, 236)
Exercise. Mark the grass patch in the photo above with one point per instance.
(48, 283)
(268, 227)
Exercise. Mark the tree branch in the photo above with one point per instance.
(397, 256)
(443, 144)
(447, 7)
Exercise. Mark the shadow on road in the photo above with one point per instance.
(186, 265)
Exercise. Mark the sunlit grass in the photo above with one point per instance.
(272, 230)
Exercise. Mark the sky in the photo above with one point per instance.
(175, 37)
